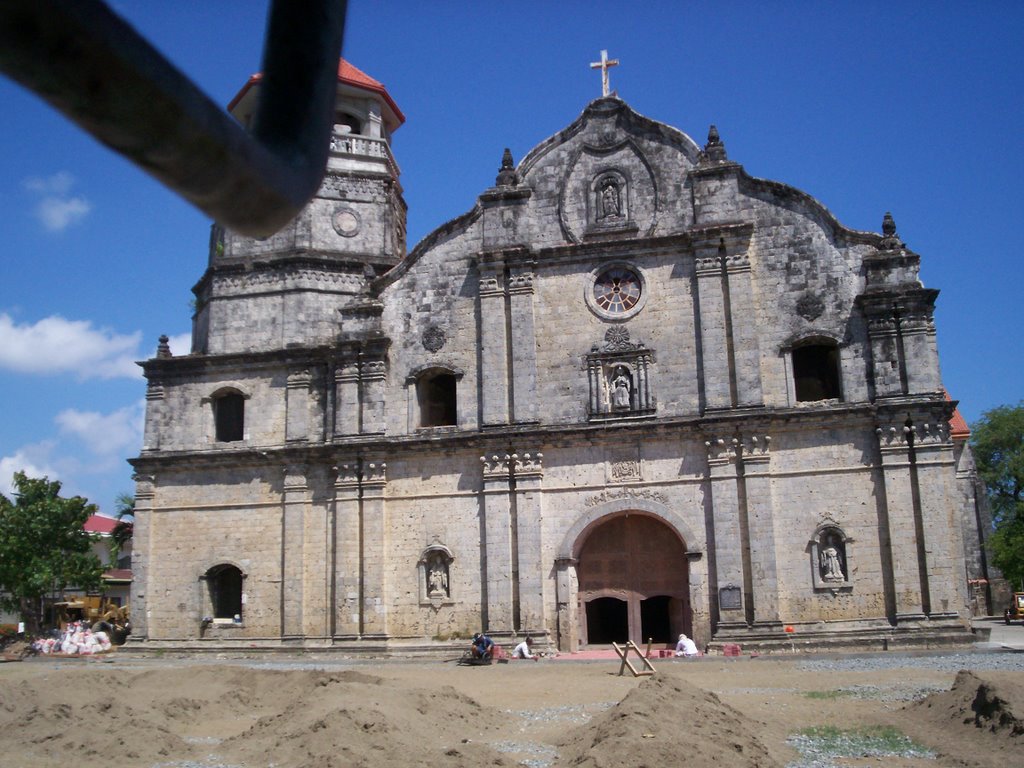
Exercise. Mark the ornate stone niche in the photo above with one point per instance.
(830, 550)
(434, 567)
(618, 372)
(609, 206)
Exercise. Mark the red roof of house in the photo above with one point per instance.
(100, 524)
(118, 574)
(347, 74)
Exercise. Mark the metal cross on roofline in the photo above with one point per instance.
(604, 65)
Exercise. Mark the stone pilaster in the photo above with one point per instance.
(917, 328)
(745, 347)
(372, 378)
(936, 477)
(886, 358)
(903, 524)
(699, 601)
(757, 480)
(142, 538)
(155, 405)
(346, 388)
(493, 340)
(297, 405)
(496, 506)
(567, 604)
(714, 342)
(528, 472)
(505, 209)
(728, 545)
(347, 574)
(715, 180)
(293, 513)
(524, 343)
(374, 544)
(317, 571)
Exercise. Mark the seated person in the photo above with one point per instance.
(525, 650)
(686, 647)
(483, 647)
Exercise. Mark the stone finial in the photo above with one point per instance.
(163, 349)
(507, 176)
(890, 239)
(888, 225)
(714, 150)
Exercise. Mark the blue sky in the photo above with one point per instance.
(911, 107)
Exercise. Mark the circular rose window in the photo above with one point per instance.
(617, 290)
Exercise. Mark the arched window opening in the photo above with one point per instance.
(225, 584)
(229, 417)
(435, 393)
(348, 124)
(816, 372)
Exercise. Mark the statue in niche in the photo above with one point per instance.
(621, 390)
(437, 575)
(611, 206)
(831, 559)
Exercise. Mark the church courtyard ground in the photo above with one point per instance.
(893, 709)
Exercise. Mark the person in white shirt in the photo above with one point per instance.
(525, 650)
(686, 647)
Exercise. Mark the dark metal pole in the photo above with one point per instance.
(92, 66)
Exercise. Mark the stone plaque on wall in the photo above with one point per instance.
(730, 599)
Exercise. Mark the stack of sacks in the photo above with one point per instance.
(77, 639)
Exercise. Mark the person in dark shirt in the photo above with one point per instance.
(483, 647)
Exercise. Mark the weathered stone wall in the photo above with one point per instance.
(337, 504)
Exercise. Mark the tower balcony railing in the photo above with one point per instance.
(352, 145)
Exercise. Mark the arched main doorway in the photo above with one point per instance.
(633, 582)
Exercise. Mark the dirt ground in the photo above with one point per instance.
(203, 713)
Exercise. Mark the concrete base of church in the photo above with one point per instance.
(936, 634)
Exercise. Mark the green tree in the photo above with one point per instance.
(997, 441)
(124, 511)
(43, 546)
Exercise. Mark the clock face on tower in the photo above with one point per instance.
(346, 222)
(617, 290)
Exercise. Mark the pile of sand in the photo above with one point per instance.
(242, 716)
(667, 721)
(978, 722)
(430, 714)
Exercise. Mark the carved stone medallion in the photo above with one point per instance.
(345, 222)
(434, 338)
(810, 306)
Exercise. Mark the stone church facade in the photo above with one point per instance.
(633, 392)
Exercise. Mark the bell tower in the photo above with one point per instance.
(286, 290)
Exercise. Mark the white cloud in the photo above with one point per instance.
(181, 344)
(56, 345)
(55, 207)
(57, 215)
(58, 184)
(105, 434)
(25, 461)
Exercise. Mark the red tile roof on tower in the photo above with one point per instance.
(347, 74)
(958, 428)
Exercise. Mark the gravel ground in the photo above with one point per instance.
(952, 662)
